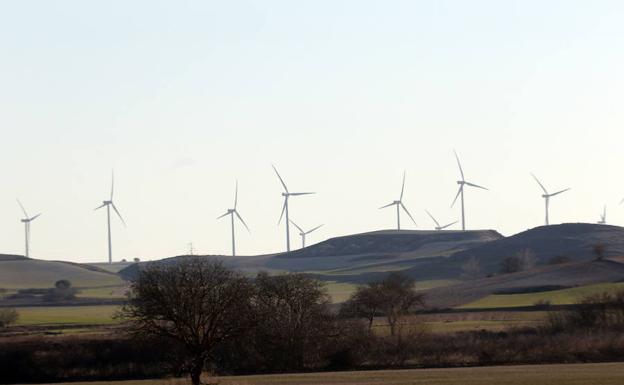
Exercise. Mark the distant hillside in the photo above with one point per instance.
(573, 240)
(393, 242)
(566, 275)
(347, 258)
(34, 273)
(11, 257)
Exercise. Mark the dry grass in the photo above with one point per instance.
(574, 374)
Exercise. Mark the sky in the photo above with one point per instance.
(183, 98)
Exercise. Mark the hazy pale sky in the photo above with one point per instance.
(182, 98)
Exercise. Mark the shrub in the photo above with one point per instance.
(8, 316)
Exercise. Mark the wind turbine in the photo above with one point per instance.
(399, 204)
(603, 216)
(546, 195)
(304, 233)
(108, 204)
(231, 213)
(438, 227)
(461, 184)
(26, 221)
(287, 194)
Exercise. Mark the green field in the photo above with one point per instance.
(108, 292)
(571, 374)
(556, 297)
(69, 315)
(24, 274)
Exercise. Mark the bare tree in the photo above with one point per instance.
(523, 260)
(471, 269)
(197, 303)
(395, 297)
(8, 316)
(366, 303)
(399, 298)
(293, 320)
(599, 250)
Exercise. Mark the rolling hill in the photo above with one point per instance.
(22, 273)
(540, 278)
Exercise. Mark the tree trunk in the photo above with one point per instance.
(196, 371)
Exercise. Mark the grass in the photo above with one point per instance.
(24, 274)
(75, 315)
(109, 292)
(556, 297)
(568, 374)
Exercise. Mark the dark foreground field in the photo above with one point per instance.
(573, 374)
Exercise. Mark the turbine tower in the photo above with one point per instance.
(304, 233)
(399, 205)
(603, 216)
(26, 221)
(231, 213)
(547, 196)
(437, 224)
(108, 204)
(287, 194)
(460, 192)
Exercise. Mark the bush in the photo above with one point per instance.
(8, 316)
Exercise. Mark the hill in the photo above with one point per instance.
(346, 258)
(11, 257)
(33, 273)
(538, 279)
(572, 240)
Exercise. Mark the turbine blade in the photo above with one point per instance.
(388, 205)
(449, 225)
(280, 178)
(283, 210)
(475, 185)
(461, 187)
(314, 229)
(431, 216)
(222, 215)
(118, 214)
(459, 165)
(112, 184)
(35, 217)
(243, 222)
(236, 195)
(540, 183)
(559, 192)
(303, 193)
(402, 186)
(100, 206)
(298, 228)
(408, 213)
(23, 209)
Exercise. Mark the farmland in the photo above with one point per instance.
(571, 374)
(555, 297)
(68, 315)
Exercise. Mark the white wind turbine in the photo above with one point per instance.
(304, 233)
(26, 221)
(547, 196)
(399, 205)
(437, 226)
(231, 213)
(460, 192)
(108, 205)
(603, 216)
(287, 194)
